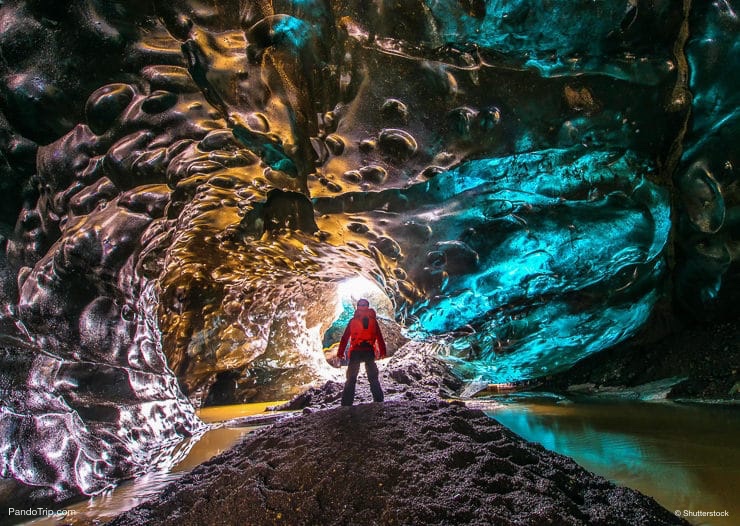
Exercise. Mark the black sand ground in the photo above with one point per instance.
(402, 462)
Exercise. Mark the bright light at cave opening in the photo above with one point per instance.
(351, 290)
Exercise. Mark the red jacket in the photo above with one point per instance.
(362, 329)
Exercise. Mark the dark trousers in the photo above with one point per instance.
(355, 359)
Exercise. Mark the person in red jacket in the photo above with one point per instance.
(365, 345)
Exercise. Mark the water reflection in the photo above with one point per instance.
(221, 413)
(189, 454)
(130, 494)
(687, 457)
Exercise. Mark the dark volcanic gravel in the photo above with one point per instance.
(413, 373)
(402, 462)
(707, 356)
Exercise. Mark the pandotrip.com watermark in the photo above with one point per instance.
(40, 512)
(701, 513)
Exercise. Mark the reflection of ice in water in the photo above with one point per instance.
(685, 457)
(189, 454)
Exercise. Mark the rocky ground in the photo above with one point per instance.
(703, 358)
(419, 460)
(412, 374)
(413, 460)
(402, 462)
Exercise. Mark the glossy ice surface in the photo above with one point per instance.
(187, 184)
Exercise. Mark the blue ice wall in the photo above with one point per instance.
(555, 246)
(569, 249)
(531, 221)
(708, 183)
(564, 37)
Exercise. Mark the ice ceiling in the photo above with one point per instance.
(187, 187)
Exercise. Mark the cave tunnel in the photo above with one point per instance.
(196, 194)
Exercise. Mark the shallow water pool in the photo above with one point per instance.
(190, 453)
(685, 456)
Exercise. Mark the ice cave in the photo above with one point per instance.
(195, 193)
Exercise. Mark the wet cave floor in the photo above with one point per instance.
(684, 455)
